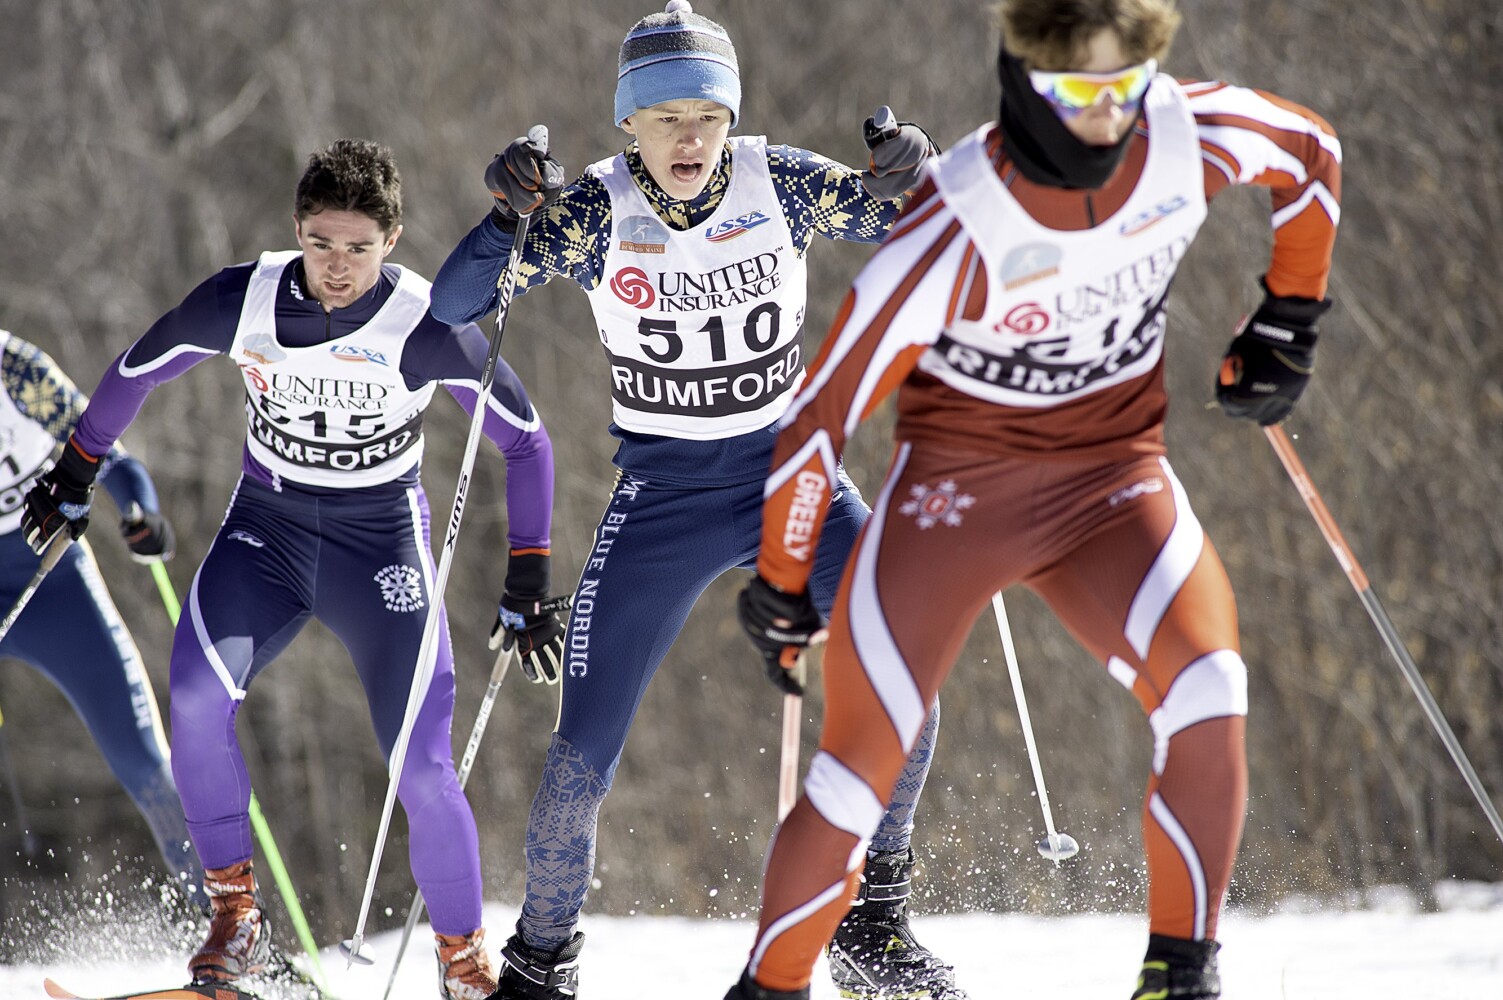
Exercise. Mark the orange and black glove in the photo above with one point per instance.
(1270, 360)
(781, 625)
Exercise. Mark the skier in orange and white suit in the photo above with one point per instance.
(1018, 308)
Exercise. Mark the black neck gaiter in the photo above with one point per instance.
(1037, 140)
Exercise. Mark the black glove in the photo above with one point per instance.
(1270, 360)
(899, 151)
(781, 626)
(529, 618)
(148, 535)
(60, 499)
(523, 178)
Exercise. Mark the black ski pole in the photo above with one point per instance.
(1296, 469)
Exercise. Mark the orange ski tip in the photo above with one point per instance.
(204, 992)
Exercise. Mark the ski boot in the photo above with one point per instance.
(529, 973)
(747, 989)
(874, 954)
(464, 969)
(239, 942)
(1177, 969)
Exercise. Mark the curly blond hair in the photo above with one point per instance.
(1055, 34)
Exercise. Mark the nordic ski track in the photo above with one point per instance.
(1389, 951)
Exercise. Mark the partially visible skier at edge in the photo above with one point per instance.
(340, 358)
(1018, 310)
(690, 246)
(71, 630)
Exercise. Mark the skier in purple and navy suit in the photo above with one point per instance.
(340, 358)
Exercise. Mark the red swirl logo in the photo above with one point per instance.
(1027, 319)
(632, 287)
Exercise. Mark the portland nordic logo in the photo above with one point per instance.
(262, 348)
(401, 588)
(1030, 262)
(632, 287)
(940, 505)
(643, 234)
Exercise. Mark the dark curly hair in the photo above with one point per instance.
(352, 175)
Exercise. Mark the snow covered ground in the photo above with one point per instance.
(1299, 953)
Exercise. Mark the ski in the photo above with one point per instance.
(175, 993)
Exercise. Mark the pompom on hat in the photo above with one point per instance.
(673, 56)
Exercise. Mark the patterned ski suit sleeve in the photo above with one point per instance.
(40, 388)
(569, 238)
(899, 304)
(42, 391)
(1252, 137)
(822, 196)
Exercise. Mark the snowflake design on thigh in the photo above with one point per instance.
(940, 505)
(401, 588)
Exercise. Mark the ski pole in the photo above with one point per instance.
(1055, 846)
(28, 839)
(498, 674)
(506, 284)
(1327, 524)
(793, 707)
(51, 556)
(793, 719)
(257, 817)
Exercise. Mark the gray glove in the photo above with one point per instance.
(899, 151)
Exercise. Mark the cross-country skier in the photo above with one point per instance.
(691, 249)
(1018, 309)
(70, 630)
(340, 357)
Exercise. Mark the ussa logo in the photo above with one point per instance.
(349, 352)
(1153, 216)
(732, 228)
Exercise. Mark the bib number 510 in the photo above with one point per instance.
(760, 332)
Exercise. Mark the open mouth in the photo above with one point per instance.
(687, 172)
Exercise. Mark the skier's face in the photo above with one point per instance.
(342, 254)
(1105, 122)
(680, 142)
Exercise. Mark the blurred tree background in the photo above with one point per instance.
(146, 143)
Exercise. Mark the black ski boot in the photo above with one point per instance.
(529, 973)
(874, 954)
(747, 989)
(1177, 969)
